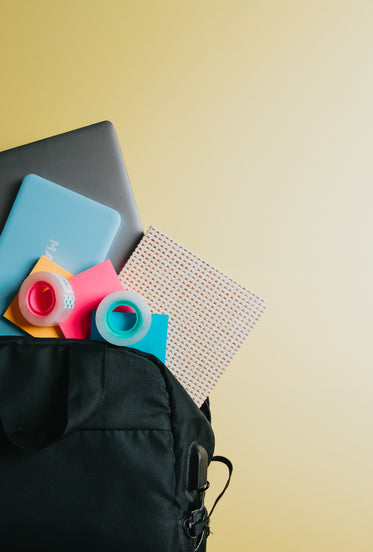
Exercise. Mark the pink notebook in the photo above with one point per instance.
(210, 315)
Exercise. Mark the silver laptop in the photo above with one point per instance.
(88, 161)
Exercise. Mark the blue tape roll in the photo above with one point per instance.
(114, 335)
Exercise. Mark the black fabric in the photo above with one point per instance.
(94, 448)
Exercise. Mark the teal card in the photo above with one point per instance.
(154, 342)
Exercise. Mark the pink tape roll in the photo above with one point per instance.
(45, 299)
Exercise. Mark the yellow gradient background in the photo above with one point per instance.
(247, 130)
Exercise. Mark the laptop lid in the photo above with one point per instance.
(88, 161)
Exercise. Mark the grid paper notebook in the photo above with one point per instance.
(210, 315)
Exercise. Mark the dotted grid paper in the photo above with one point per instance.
(210, 315)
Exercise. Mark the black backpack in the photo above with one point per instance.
(101, 449)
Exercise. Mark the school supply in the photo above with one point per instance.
(14, 315)
(210, 315)
(100, 449)
(45, 299)
(88, 161)
(74, 231)
(90, 287)
(154, 341)
(119, 336)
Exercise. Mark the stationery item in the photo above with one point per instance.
(45, 299)
(88, 161)
(90, 287)
(48, 219)
(123, 336)
(154, 341)
(14, 315)
(210, 315)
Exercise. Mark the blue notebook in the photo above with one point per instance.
(47, 219)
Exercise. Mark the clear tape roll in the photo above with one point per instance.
(45, 299)
(114, 335)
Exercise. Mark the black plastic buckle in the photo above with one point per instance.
(196, 523)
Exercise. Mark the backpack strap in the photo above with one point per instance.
(196, 525)
(228, 463)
